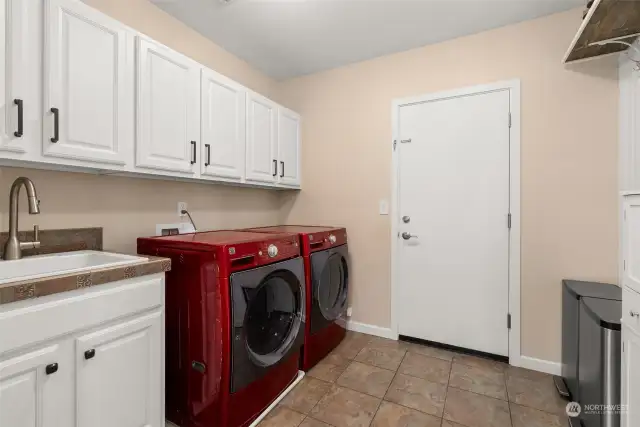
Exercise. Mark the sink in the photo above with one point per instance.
(37, 267)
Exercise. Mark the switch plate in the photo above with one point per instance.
(349, 311)
(384, 207)
(182, 206)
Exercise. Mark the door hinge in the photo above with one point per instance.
(509, 321)
(624, 265)
(395, 142)
(509, 120)
(509, 220)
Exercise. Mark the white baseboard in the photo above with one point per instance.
(546, 366)
(378, 331)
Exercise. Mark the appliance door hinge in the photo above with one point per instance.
(509, 220)
(509, 119)
(509, 321)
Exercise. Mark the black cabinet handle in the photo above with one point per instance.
(275, 167)
(56, 125)
(282, 171)
(193, 146)
(208, 148)
(90, 354)
(51, 369)
(20, 130)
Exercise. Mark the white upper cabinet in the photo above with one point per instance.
(19, 79)
(223, 127)
(88, 84)
(168, 109)
(289, 147)
(119, 375)
(262, 162)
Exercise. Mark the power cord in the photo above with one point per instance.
(184, 211)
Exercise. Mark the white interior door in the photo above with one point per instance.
(262, 164)
(223, 126)
(88, 84)
(289, 147)
(453, 275)
(168, 109)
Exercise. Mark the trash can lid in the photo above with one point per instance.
(605, 312)
(581, 289)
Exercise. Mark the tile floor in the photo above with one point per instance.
(370, 381)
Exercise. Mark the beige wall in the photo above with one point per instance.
(569, 171)
(128, 207)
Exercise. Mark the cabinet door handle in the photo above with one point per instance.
(56, 125)
(90, 354)
(208, 149)
(282, 169)
(51, 369)
(275, 167)
(20, 131)
(193, 147)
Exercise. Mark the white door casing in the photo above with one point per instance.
(288, 147)
(631, 242)
(223, 127)
(262, 164)
(168, 109)
(630, 377)
(88, 84)
(119, 367)
(463, 243)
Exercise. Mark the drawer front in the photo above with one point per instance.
(631, 309)
(54, 315)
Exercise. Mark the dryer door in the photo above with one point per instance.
(268, 318)
(330, 278)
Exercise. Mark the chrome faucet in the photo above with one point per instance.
(13, 248)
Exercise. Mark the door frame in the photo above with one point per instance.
(513, 86)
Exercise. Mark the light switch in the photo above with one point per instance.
(384, 207)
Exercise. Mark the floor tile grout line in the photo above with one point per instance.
(387, 390)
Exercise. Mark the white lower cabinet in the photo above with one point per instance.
(36, 387)
(631, 242)
(105, 374)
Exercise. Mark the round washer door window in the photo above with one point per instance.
(272, 316)
(333, 287)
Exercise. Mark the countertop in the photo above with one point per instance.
(29, 289)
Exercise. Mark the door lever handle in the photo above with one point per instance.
(407, 236)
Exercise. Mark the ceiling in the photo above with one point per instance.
(289, 38)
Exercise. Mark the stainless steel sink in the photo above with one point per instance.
(63, 263)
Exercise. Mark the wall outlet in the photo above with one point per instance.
(349, 311)
(182, 206)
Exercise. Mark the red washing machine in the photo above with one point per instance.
(326, 270)
(235, 317)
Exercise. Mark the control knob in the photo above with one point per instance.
(272, 250)
(332, 239)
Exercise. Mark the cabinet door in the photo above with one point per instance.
(19, 111)
(222, 126)
(289, 147)
(120, 374)
(168, 109)
(631, 242)
(262, 164)
(88, 85)
(36, 388)
(630, 378)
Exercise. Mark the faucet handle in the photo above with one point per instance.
(36, 235)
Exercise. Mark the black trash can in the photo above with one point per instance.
(572, 292)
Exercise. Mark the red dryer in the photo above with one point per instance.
(235, 311)
(326, 269)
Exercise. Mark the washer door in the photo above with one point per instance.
(268, 308)
(330, 277)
